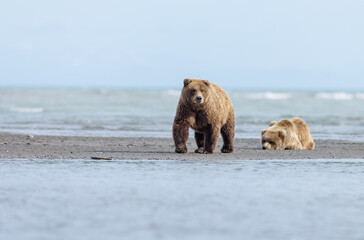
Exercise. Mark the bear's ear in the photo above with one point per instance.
(264, 131)
(187, 81)
(206, 82)
(272, 123)
(282, 133)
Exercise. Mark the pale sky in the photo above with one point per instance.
(289, 44)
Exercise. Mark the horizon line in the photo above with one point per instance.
(248, 89)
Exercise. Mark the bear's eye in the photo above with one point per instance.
(193, 91)
(202, 91)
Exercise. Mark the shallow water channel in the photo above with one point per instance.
(270, 199)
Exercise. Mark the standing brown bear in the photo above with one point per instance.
(206, 108)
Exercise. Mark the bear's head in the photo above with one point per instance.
(196, 91)
(273, 139)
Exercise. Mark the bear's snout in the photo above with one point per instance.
(198, 99)
(264, 147)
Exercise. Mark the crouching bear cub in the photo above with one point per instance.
(206, 108)
(292, 134)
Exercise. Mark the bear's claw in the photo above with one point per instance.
(199, 150)
(206, 152)
(226, 150)
(181, 150)
(203, 151)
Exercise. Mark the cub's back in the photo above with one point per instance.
(299, 124)
(303, 133)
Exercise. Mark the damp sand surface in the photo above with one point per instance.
(17, 146)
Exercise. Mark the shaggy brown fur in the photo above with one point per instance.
(292, 134)
(206, 108)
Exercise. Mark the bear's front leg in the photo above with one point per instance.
(180, 136)
(211, 137)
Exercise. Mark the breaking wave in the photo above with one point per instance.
(26, 110)
(174, 93)
(335, 96)
(269, 95)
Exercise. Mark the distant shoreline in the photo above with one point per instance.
(19, 146)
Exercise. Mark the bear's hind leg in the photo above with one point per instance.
(311, 146)
(211, 137)
(227, 133)
(200, 141)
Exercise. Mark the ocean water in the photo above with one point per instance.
(150, 113)
(269, 199)
(251, 200)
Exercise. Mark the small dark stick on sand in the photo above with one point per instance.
(101, 158)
